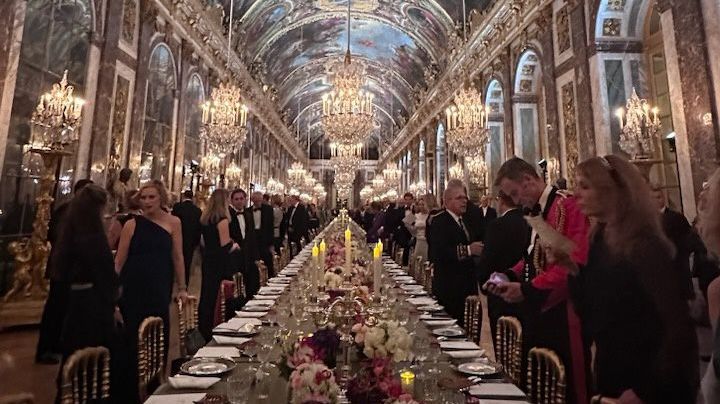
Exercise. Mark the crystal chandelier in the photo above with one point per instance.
(477, 171)
(318, 190)
(225, 119)
(456, 171)
(367, 192)
(640, 126)
(348, 113)
(467, 131)
(378, 184)
(420, 188)
(59, 113)
(345, 157)
(274, 187)
(308, 183)
(296, 174)
(233, 174)
(392, 175)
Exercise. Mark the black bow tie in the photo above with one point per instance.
(534, 211)
(256, 208)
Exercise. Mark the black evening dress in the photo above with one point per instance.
(147, 280)
(215, 268)
(636, 314)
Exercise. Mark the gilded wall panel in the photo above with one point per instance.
(562, 25)
(572, 155)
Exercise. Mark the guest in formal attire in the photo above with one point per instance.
(48, 347)
(396, 225)
(314, 219)
(277, 206)
(148, 259)
(296, 221)
(263, 218)
(242, 231)
(117, 188)
(418, 227)
(189, 215)
(378, 218)
(216, 262)
(628, 294)
(451, 252)
(489, 214)
(83, 261)
(540, 287)
(506, 243)
(131, 208)
(709, 229)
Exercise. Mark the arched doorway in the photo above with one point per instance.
(525, 107)
(192, 144)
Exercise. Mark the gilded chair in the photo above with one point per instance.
(411, 253)
(276, 263)
(418, 268)
(283, 255)
(603, 400)
(428, 277)
(473, 315)
(239, 285)
(187, 320)
(293, 249)
(398, 255)
(509, 346)
(85, 376)
(21, 398)
(151, 354)
(546, 377)
(228, 289)
(263, 271)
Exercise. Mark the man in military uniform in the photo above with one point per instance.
(540, 287)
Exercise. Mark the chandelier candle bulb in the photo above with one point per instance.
(348, 251)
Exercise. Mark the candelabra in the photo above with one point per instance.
(477, 171)
(640, 128)
(456, 171)
(57, 116)
(233, 175)
(467, 131)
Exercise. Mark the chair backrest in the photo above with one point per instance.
(276, 263)
(418, 269)
(293, 248)
(473, 315)
(428, 277)
(187, 319)
(398, 255)
(546, 377)
(509, 346)
(21, 398)
(263, 271)
(85, 376)
(226, 292)
(283, 256)
(151, 354)
(239, 285)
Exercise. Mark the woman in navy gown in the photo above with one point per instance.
(149, 256)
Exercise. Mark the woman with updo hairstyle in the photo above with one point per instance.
(149, 257)
(630, 300)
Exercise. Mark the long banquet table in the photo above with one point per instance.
(445, 366)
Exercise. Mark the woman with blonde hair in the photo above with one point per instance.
(217, 246)
(709, 228)
(628, 296)
(149, 257)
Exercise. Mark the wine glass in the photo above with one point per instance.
(251, 349)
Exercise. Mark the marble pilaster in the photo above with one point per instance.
(12, 22)
(547, 62)
(586, 130)
(504, 71)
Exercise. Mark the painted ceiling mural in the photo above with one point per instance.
(287, 43)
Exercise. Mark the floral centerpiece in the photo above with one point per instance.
(374, 383)
(313, 383)
(319, 347)
(386, 339)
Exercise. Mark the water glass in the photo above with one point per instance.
(238, 385)
(263, 384)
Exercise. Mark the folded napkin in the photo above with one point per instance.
(279, 281)
(421, 301)
(192, 382)
(440, 323)
(266, 297)
(258, 302)
(458, 345)
(404, 278)
(496, 390)
(271, 290)
(223, 340)
(475, 353)
(502, 401)
(251, 314)
(175, 398)
(217, 352)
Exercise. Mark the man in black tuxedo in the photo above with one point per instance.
(296, 221)
(506, 241)
(451, 250)
(242, 231)
(678, 230)
(264, 229)
(189, 215)
(394, 224)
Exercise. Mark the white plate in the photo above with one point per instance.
(449, 332)
(478, 368)
(432, 307)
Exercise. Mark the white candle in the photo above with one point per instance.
(348, 251)
(377, 252)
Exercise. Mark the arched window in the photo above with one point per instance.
(494, 102)
(195, 93)
(440, 160)
(421, 161)
(159, 113)
(56, 37)
(527, 140)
